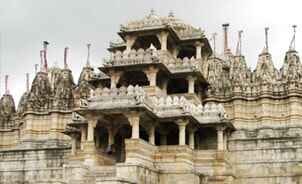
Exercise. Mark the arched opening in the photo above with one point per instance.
(206, 138)
(188, 51)
(144, 42)
(178, 85)
(133, 78)
(123, 133)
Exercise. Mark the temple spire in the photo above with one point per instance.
(88, 55)
(45, 43)
(41, 60)
(6, 85)
(266, 38)
(65, 57)
(239, 43)
(36, 68)
(292, 45)
(225, 40)
(214, 43)
(27, 82)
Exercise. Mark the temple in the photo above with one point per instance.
(162, 108)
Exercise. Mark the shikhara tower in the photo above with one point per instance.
(163, 108)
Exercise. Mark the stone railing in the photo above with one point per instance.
(165, 106)
(116, 97)
(169, 106)
(151, 55)
(132, 57)
(176, 65)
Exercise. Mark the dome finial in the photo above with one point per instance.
(292, 45)
(27, 82)
(6, 85)
(152, 12)
(239, 46)
(266, 38)
(88, 55)
(171, 13)
(65, 58)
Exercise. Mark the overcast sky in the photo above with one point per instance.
(24, 24)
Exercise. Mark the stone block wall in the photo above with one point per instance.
(28, 166)
(266, 155)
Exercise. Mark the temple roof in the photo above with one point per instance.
(153, 22)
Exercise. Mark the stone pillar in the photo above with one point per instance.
(163, 38)
(165, 87)
(152, 135)
(115, 77)
(198, 46)
(220, 141)
(110, 136)
(151, 75)
(175, 52)
(192, 137)
(182, 131)
(129, 42)
(133, 119)
(225, 141)
(83, 135)
(91, 126)
(191, 81)
(73, 144)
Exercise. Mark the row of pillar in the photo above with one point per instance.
(134, 119)
(163, 39)
(151, 74)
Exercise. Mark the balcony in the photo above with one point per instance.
(153, 56)
(119, 99)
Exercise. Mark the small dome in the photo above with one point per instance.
(63, 93)
(22, 103)
(40, 93)
(86, 74)
(7, 105)
(153, 21)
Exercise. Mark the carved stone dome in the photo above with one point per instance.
(7, 105)
(63, 93)
(40, 93)
(153, 21)
(22, 103)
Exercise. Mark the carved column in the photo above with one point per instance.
(191, 81)
(198, 46)
(115, 77)
(220, 140)
(73, 144)
(182, 131)
(225, 141)
(133, 119)
(83, 135)
(163, 38)
(129, 42)
(192, 137)
(91, 126)
(152, 74)
(175, 52)
(165, 86)
(152, 135)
